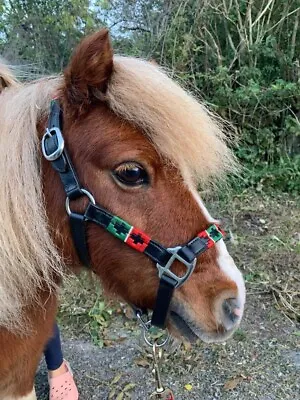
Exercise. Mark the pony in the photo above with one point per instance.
(141, 145)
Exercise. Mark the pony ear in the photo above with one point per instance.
(7, 78)
(3, 84)
(88, 73)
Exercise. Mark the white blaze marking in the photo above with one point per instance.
(228, 266)
(224, 259)
(204, 210)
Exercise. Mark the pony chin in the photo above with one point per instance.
(182, 325)
(192, 334)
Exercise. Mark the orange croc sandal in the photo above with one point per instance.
(63, 387)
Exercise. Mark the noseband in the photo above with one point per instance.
(53, 148)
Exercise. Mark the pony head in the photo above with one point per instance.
(141, 145)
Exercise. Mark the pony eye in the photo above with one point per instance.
(131, 174)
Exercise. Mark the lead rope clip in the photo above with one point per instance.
(157, 339)
(161, 391)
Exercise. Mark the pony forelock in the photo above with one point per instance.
(179, 126)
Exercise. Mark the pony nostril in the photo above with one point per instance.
(231, 312)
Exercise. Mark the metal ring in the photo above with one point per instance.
(146, 327)
(84, 191)
(156, 342)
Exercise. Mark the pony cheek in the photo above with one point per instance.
(121, 270)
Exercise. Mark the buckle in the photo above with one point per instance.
(51, 133)
(166, 270)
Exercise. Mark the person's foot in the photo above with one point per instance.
(62, 385)
(59, 371)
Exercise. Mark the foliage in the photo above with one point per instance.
(100, 316)
(44, 32)
(283, 175)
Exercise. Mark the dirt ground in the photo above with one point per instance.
(261, 361)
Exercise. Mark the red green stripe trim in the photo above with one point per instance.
(213, 234)
(139, 240)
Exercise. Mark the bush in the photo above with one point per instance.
(242, 57)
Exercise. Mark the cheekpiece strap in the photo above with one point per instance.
(53, 148)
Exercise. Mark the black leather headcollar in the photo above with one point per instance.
(53, 148)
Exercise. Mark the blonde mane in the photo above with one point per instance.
(179, 127)
(28, 257)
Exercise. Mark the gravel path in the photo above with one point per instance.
(262, 362)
